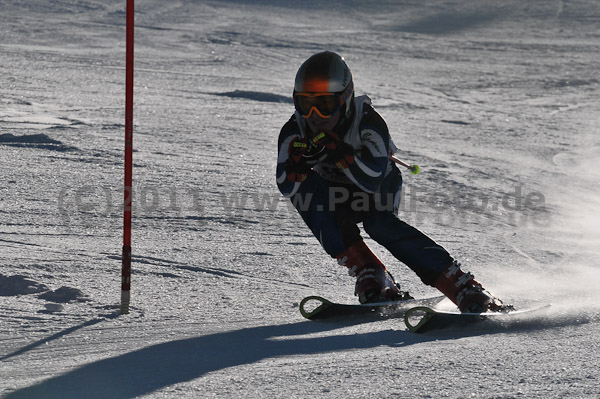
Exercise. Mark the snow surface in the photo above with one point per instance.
(496, 101)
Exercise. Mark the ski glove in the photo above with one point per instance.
(337, 151)
(301, 159)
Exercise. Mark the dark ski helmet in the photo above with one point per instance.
(324, 84)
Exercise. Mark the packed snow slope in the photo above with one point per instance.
(496, 101)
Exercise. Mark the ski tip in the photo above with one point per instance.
(415, 318)
(312, 305)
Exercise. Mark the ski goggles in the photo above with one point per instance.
(324, 104)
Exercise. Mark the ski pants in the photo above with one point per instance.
(333, 213)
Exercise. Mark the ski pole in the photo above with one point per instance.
(414, 169)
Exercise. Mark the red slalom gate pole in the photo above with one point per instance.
(126, 254)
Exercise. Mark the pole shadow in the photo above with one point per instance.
(58, 335)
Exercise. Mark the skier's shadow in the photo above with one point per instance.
(146, 370)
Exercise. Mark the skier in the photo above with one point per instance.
(334, 165)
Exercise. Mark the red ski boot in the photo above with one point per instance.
(373, 282)
(465, 292)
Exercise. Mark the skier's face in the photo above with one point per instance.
(318, 124)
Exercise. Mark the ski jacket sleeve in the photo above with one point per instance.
(289, 132)
(371, 153)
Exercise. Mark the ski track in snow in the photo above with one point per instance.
(497, 104)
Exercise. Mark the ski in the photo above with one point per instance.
(420, 319)
(319, 308)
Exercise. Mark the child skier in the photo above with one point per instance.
(334, 165)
